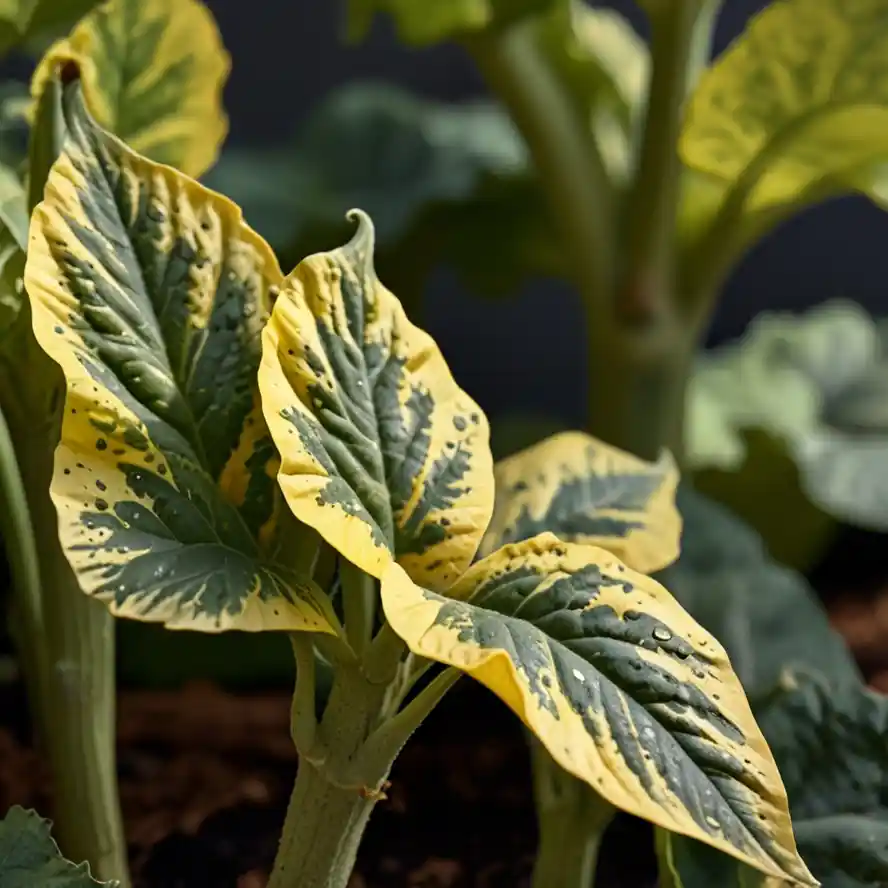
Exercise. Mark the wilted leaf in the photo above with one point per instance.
(766, 616)
(620, 685)
(152, 73)
(421, 23)
(586, 491)
(151, 293)
(29, 858)
(818, 383)
(831, 749)
(21, 20)
(382, 453)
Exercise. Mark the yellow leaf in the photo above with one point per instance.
(620, 685)
(800, 98)
(586, 491)
(152, 73)
(381, 452)
(151, 293)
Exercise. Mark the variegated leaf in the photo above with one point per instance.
(151, 293)
(153, 73)
(622, 687)
(586, 491)
(382, 453)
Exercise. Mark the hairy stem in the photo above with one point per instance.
(567, 160)
(333, 797)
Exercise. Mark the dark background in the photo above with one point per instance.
(290, 54)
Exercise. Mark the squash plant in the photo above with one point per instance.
(236, 449)
(245, 450)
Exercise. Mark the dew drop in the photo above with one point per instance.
(712, 822)
(579, 675)
(662, 634)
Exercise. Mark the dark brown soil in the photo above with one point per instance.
(205, 777)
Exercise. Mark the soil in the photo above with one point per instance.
(205, 774)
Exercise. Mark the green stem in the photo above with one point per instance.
(360, 594)
(572, 819)
(570, 168)
(651, 212)
(334, 796)
(73, 664)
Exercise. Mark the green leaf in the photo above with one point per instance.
(443, 183)
(29, 858)
(381, 452)
(420, 23)
(818, 384)
(152, 73)
(585, 491)
(767, 616)
(22, 20)
(151, 293)
(619, 684)
(800, 97)
(831, 749)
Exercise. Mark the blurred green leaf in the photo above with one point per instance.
(766, 615)
(29, 858)
(816, 383)
(442, 182)
(27, 20)
(831, 750)
(420, 23)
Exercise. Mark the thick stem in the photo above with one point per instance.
(333, 796)
(637, 389)
(321, 834)
(565, 155)
(572, 819)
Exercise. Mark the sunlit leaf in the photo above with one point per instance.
(21, 20)
(586, 491)
(382, 453)
(831, 750)
(152, 73)
(801, 96)
(30, 858)
(818, 384)
(151, 293)
(622, 687)
(420, 23)
(767, 617)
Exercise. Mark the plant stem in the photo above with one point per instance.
(651, 213)
(333, 798)
(359, 597)
(572, 819)
(571, 171)
(639, 360)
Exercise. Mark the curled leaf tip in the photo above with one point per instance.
(363, 240)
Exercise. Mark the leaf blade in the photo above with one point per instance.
(381, 452)
(150, 292)
(585, 491)
(152, 73)
(623, 688)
